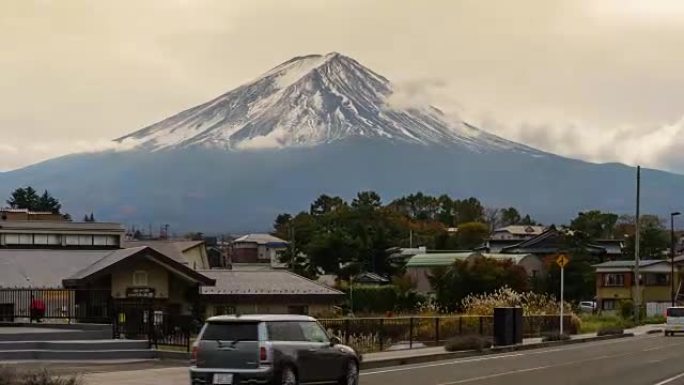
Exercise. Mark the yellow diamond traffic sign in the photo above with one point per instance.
(562, 260)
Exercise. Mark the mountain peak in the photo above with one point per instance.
(307, 101)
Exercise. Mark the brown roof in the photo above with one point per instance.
(274, 282)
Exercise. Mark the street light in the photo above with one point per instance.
(672, 255)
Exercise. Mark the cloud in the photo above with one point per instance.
(658, 146)
(20, 154)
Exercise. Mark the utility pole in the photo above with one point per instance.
(411, 239)
(672, 256)
(293, 248)
(637, 236)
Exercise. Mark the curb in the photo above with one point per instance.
(384, 363)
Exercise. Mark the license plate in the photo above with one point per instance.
(223, 379)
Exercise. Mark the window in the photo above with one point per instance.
(614, 280)
(657, 279)
(300, 310)
(140, 278)
(25, 239)
(85, 240)
(285, 331)
(223, 310)
(675, 312)
(72, 240)
(313, 332)
(608, 304)
(230, 331)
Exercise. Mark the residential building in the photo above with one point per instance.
(257, 248)
(421, 266)
(615, 283)
(552, 241)
(517, 232)
(9, 214)
(91, 259)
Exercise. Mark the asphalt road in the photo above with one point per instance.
(647, 360)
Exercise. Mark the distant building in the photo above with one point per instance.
(9, 214)
(517, 232)
(258, 248)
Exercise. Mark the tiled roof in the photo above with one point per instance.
(516, 258)
(170, 248)
(44, 268)
(261, 239)
(629, 263)
(522, 230)
(438, 259)
(275, 282)
(62, 226)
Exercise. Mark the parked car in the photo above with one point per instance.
(587, 306)
(675, 320)
(270, 349)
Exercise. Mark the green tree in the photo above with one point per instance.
(596, 224)
(655, 238)
(326, 204)
(472, 234)
(469, 210)
(510, 216)
(28, 198)
(367, 200)
(482, 275)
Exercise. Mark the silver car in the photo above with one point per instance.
(270, 349)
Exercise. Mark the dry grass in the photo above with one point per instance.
(11, 376)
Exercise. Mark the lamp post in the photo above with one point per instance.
(672, 255)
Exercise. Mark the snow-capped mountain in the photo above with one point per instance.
(325, 125)
(307, 101)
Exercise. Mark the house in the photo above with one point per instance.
(9, 214)
(421, 266)
(191, 253)
(615, 284)
(87, 267)
(274, 291)
(257, 248)
(517, 232)
(552, 241)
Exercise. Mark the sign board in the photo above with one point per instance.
(140, 292)
(562, 260)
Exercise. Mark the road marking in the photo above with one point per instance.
(496, 357)
(669, 380)
(466, 361)
(490, 376)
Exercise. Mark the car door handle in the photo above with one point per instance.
(312, 349)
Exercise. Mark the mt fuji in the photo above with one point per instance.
(323, 124)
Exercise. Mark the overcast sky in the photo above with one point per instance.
(601, 80)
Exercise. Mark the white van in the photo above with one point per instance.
(675, 320)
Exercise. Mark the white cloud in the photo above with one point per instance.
(20, 154)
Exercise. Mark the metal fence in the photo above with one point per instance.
(378, 334)
(55, 305)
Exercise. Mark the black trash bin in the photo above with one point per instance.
(503, 326)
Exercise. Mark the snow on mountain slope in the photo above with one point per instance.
(308, 101)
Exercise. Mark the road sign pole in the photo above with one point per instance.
(561, 298)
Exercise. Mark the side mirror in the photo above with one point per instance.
(335, 341)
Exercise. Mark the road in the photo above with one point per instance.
(648, 360)
(645, 360)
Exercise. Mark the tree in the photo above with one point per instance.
(326, 204)
(27, 198)
(469, 210)
(596, 224)
(367, 200)
(528, 221)
(471, 235)
(493, 217)
(510, 216)
(655, 238)
(89, 218)
(481, 275)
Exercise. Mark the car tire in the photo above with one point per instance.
(287, 377)
(351, 374)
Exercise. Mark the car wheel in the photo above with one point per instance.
(351, 374)
(288, 376)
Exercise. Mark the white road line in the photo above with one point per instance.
(488, 377)
(496, 357)
(671, 379)
(466, 361)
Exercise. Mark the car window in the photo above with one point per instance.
(313, 332)
(675, 312)
(285, 331)
(231, 331)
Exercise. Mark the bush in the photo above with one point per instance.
(469, 342)
(532, 303)
(610, 331)
(554, 336)
(655, 320)
(10, 376)
(627, 309)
